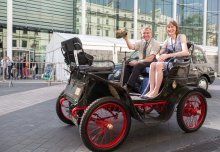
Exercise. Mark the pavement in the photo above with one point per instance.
(14, 86)
(25, 95)
(28, 123)
(24, 115)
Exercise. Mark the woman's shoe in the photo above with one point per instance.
(145, 97)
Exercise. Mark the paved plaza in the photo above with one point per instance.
(28, 123)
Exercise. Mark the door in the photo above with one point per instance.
(197, 64)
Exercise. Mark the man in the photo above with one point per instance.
(148, 48)
(9, 63)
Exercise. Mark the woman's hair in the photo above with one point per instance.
(174, 23)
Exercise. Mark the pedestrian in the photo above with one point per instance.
(9, 63)
(36, 68)
(25, 66)
(20, 69)
(33, 70)
(1, 66)
(4, 67)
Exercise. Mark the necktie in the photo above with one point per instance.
(144, 50)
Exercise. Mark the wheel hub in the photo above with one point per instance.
(104, 124)
(109, 126)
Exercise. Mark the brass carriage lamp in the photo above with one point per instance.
(174, 84)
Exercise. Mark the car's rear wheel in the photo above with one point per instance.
(191, 111)
(203, 83)
(63, 109)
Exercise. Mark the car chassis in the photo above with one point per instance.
(103, 109)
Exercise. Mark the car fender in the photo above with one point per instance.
(180, 93)
(175, 98)
(204, 92)
(119, 93)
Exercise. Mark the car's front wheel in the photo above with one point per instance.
(105, 124)
(202, 83)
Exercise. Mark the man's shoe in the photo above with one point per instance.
(127, 88)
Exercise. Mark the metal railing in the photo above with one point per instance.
(31, 71)
(22, 70)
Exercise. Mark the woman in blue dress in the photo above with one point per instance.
(174, 46)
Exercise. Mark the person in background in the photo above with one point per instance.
(43, 67)
(174, 46)
(36, 68)
(31, 63)
(148, 48)
(1, 66)
(24, 69)
(9, 63)
(33, 70)
(14, 68)
(20, 68)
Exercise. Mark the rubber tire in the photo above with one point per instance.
(83, 124)
(203, 78)
(59, 112)
(180, 116)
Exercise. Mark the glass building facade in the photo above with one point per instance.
(33, 24)
(34, 21)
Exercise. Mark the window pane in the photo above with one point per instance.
(198, 56)
(14, 43)
(155, 14)
(212, 23)
(24, 44)
(108, 14)
(190, 19)
(25, 31)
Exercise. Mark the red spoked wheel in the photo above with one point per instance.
(191, 111)
(63, 110)
(105, 124)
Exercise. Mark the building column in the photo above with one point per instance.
(218, 38)
(205, 22)
(135, 18)
(174, 9)
(9, 28)
(154, 18)
(83, 23)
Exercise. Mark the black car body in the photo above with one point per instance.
(201, 73)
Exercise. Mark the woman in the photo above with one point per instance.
(25, 66)
(174, 46)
